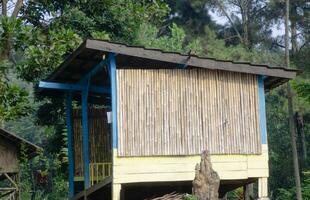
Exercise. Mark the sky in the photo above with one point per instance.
(276, 31)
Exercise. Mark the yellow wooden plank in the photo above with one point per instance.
(181, 168)
(258, 173)
(168, 177)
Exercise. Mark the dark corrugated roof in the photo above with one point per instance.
(91, 52)
(32, 149)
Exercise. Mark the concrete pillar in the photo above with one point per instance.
(263, 188)
(116, 191)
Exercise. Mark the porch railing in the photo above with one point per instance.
(99, 171)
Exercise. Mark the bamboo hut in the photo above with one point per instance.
(145, 116)
(11, 147)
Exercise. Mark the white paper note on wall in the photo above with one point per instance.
(109, 116)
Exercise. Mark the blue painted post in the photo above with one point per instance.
(85, 138)
(70, 143)
(182, 66)
(112, 69)
(262, 108)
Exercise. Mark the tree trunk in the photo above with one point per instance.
(290, 108)
(17, 8)
(222, 8)
(248, 191)
(292, 18)
(294, 38)
(7, 41)
(207, 182)
(300, 130)
(293, 142)
(245, 9)
(4, 8)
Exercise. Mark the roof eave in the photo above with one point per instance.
(190, 60)
(32, 149)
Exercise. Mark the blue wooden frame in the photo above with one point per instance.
(262, 108)
(182, 66)
(85, 138)
(84, 87)
(112, 72)
(70, 142)
(93, 71)
(73, 87)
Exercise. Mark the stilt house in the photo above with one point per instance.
(11, 147)
(146, 115)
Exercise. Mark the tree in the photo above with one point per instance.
(186, 27)
(10, 25)
(119, 18)
(13, 98)
(192, 15)
(290, 109)
(248, 20)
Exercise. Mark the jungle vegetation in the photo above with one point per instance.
(36, 36)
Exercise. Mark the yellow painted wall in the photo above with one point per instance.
(182, 168)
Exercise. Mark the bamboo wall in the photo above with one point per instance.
(99, 138)
(8, 157)
(185, 111)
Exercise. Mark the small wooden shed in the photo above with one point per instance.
(156, 112)
(11, 147)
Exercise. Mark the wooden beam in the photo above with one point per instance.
(112, 71)
(7, 188)
(5, 194)
(262, 109)
(92, 72)
(96, 187)
(85, 143)
(75, 87)
(11, 180)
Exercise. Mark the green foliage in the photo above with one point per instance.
(306, 186)
(191, 15)
(289, 194)
(101, 35)
(34, 44)
(76, 20)
(13, 102)
(45, 55)
(190, 197)
(175, 41)
(124, 17)
(303, 89)
(236, 194)
(120, 18)
(281, 169)
(13, 99)
(284, 194)
(10, 29)
(55, 187)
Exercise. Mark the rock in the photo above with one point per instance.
(207, 182)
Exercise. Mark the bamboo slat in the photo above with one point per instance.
(185, 111)
(99, 138)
